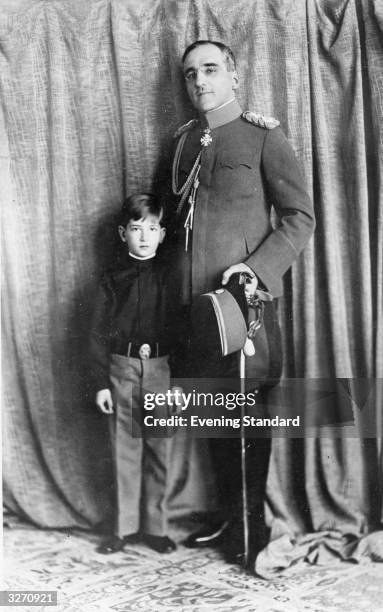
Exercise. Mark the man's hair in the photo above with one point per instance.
(226, 52)
(138, 206)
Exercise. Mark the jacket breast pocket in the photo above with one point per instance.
(235, 174)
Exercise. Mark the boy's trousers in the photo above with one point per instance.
(141, 463)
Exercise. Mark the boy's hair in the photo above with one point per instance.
(226, 51)
(138, 206)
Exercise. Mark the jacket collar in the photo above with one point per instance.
(222, 115)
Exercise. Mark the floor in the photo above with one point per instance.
(138, 579)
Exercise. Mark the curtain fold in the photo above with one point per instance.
(91, 94)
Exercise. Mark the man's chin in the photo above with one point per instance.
(205, 108)
(203, 105)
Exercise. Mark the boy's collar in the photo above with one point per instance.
(125, 259)
(141, 258)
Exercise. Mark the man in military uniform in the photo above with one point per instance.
(229, 168)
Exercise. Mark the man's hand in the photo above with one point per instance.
(104, 401)
(237, 269)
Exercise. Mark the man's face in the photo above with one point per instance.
(208, 81)
(143, 236)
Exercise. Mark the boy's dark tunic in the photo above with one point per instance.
(131, 307)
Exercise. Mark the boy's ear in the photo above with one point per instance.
(162, 234)
(122, 232)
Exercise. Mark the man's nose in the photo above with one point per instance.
(143, 235)
(200, 79)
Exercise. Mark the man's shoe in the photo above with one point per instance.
(116, 544)
(233, 547)
(160, 544)
(212, 535)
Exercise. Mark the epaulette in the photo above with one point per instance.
(185, 128)
(260, 120)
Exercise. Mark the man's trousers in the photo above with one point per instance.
(262, 372)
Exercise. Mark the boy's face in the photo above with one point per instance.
(143, 236)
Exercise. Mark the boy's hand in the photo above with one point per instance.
(104, 401)
(176, 404)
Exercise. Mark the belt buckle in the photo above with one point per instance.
(144, 351)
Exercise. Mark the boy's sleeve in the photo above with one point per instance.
(99, 352)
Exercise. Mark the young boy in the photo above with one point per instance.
(129, 356)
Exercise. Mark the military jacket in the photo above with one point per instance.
(245, 170)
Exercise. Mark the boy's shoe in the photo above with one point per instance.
(161, 544)
(115, 544)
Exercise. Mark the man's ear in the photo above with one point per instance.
(235, 80)
(122, 232)
(162, 234)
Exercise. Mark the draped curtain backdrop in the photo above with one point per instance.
(91, 93)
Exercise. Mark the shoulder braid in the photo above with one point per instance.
(259, 120)
(185, 128)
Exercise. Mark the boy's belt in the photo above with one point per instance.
(146, 350)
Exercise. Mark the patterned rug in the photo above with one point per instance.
(138, 579)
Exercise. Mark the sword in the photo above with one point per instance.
(242, 374)
(255, 300)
